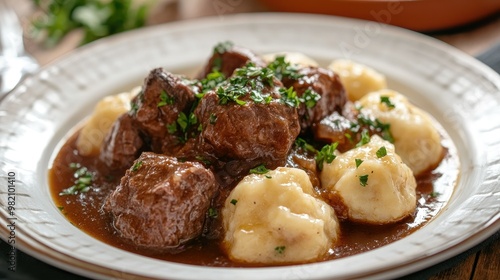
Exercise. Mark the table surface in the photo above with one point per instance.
(481, 262)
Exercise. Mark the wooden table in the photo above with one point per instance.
(474, 39)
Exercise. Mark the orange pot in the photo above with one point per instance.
(420, 15)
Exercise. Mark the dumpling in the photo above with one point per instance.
(416, 139)
(370, 184)
(99, 123)
(276, 218)
(358, 79)
(296, 58)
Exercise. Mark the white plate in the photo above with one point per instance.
(461, 93)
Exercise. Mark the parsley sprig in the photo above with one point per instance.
(223, 47)
(376, 124)
(326, 154)
(248, 79)
(385, 100)
(283, 69)
(83, 180)
(165, 99)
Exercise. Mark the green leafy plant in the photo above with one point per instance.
(97, 18)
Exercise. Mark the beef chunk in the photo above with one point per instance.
(253, 131)
(349, 128)
(226, 58)
(122, 144)
(163, 98)
(161, 203)
(316, 81)
(334, 128)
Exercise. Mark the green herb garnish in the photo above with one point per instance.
(363, 180)
(223, 47)
(434, 194)
(212, 212)
(172, 128)
(365, 138)
(280, 249)
(289, 97)
(382, 152)
(165, 99)
(327, 153)
(310, 98)
(283, 69)
(387, 102)
(358, 162)
(234, 201)
(261, 169)
(137, 165)
(213, 80)
(304, 145)
(383, 128)
(83, 180)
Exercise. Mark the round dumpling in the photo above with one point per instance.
(276, 218)
(358, 79)
(99, 123)
(416, 139)
(294, 58)
(370, 184)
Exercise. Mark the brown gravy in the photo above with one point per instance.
(83, 210)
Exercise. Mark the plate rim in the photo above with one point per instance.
(124, 37)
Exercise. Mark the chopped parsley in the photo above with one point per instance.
(283, 69)
(365, 138)
(223, 47)
(434, 194)
(172, 128)
(61, 208)
(383, 128)
(231, 93)
(203, 160)
(327, 153)
(137, 165)
(261, 169)
(94, 18)
(385, 100)
(382, 152)
(217, 63)
(165, 99)
(212, 212)
(304, 145)
(289, 97)
(249, 79)
(264, 75)
(358, 162)
(280, 249)
(213, 80)
(310, 98)
(212, 118)
(83, 180)
(133, 107)
(183, 124)
(363, 180)
(234, 201)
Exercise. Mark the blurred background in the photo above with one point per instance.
(54, 27)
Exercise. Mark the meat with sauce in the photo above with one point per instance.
(260, 132)
(122, 144)
(322, 92)
(161, 203)
(163, 98)
(227, 57)
(347, 128)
